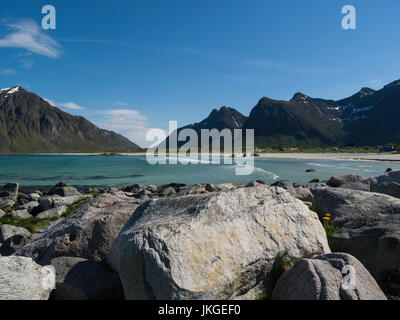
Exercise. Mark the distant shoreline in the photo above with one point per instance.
(387, 157)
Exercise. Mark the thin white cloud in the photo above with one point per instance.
(122, 104)
(7, 72)
(129, 123)
(26, 64)
(281, 66)
(26, 34)
(66, 105)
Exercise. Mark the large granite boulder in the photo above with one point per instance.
(350, 181)
(7, 231)
(81, 279)
(369, 227)
(23, 279)
(214, 246)
(86, 233)
(335, 276)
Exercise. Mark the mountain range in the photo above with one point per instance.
(368, 117)
(29, 124)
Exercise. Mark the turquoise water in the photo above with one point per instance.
(46, 170)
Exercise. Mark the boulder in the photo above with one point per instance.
(369, 227)
(280, 184)
(51, 213)
(169, 192)
(29, 206)
(63, 190)
(389, 188)
(301, 193)
(225, 186)
(34, 196)
(219, 245)
(6, 203)
(210, 187)
(388, 183)
(18, 214)
(335, 276)
(174, 185)
(151, 188)
(81, 279)
(9, 190)
(86, 233)
(23, 279)
(14, 243)
(7, 231)
(350, 181)
(255, 183)
(2, 213)
(50, 202)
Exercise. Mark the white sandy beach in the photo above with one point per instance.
(317, 156)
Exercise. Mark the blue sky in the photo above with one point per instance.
(133, 65)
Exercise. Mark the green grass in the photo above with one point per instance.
(35, 224)
(330, 229)
(263, 296)
(73, 207)
(32, 224)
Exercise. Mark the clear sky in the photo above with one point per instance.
(133, 65)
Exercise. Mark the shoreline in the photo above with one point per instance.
(385, 157)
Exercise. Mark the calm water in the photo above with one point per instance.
(47, 170)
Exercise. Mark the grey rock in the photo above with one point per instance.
(2, 213)
(225, 186)
(389, 184)
(10, 190)
(7, 231)
(350, 181)
(7, 203)
(63, 190)
(214, 246)
(35, 196)
(23, 279)
(51, 213)
(81, 279)
(369, 227)
(301, 193)
(18, 214)
(327, 277)
(169, 192)
(152, 189)
(210, 187)
(255, 183)
(49, 202)
(14, 243)
(280, 184)
(389, 188)
(29, 206)
(86, 233)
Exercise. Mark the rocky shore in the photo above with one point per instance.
(332, 240)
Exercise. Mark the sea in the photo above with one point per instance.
(89, 170)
